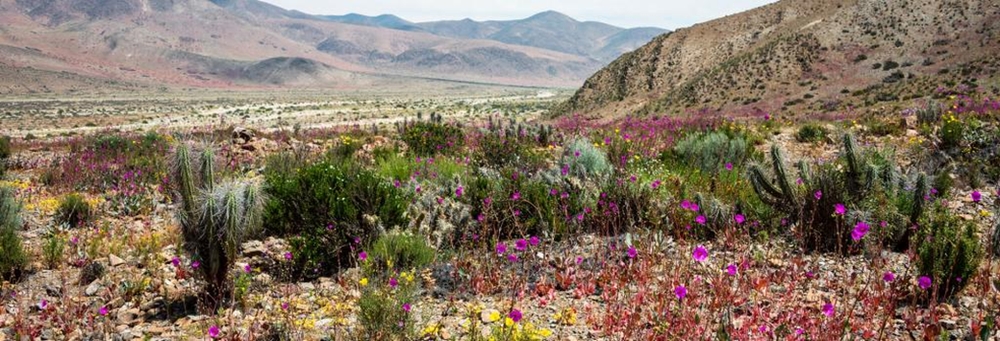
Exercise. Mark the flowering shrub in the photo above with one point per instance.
(948, 251)
(74, 211)
(428, 138)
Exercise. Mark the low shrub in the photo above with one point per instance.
(74, 211)
(52, 250)
(328, 206)
(949, 251)
(811, 133)
(952, 132)
(581, 159)
(711, 152)
(12, 256)
(383, 315)
(497, 151)
(428, 138)
(397, 252)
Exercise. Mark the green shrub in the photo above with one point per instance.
(216, 218)
(497, 152)
(12, 256)
(952, 132)
(52, 250)
(710, 152)
(327, 205)
(584, 160)
(995, 239)
(811, 133)
(949, 251)
(427, 138)
(5, 148)
(406, 252)
(74, 211)
(382, 316)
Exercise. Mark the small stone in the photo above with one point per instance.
(307, 286)
(324, 322)
(128, 316)
(92, 289)
(949, 324)
(254, 248)
(115, 260)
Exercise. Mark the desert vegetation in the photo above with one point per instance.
(500, 223)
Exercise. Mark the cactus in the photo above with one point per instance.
(919, 191)
(995, 239)
(215, 219)
(854, 165)
(782, 195)
(12, 255)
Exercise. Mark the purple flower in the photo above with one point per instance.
(818, 195)
(521, 245)
(195, 264)
(632, 252)
(393, 282)
(213, 332)
(828, 310)
(512, 258)
(739, 218)
(699, 254)
(700, 220)
(686, 204)
(459, 191)
(731, 269)
(362, 256)
(406, 307)
(694, 207)
(924, 282)
(860, 230)
(976, 196)
(288, 255)
(501, 248)
(533, 240)
(576, 153)
(43, 304)
(729, 166)
(680, 291)
(515, 315)
(176, 261)
(888, 277)
(655, 184)
(839, 209)
(516, 196)
(103, 311)
(284, 305)
(247, 268)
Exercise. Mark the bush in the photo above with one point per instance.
(382, 316)
(497, 152)
(949, 251)
(5, 149)
(74, 211)
(404, 251)
(328, 205)
(427, 138)
(216, 218)
(12, 256)
(952, 132)
(710, 152)
(811, 133)
(52, 250)
(91, 272)
(583, 160)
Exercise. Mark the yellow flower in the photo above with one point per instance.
(985, 213)
(508, 321)
(363, 281)
(494, 316)
(431, 330)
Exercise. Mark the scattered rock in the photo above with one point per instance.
(254, 248)
(128, 316)
(115, 260)
(92, 289)
(949, 324)
(485, 315)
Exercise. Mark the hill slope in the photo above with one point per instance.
(803, 55)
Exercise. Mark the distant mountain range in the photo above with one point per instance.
(804, 56)
(70, 45)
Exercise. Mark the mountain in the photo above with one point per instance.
(804, 56)
(548, 30)
(73, 45)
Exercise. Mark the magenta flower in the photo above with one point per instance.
(739, 218)
(924, 282)
(487, 201)
(888, 277)
(512, 258)
(655, 184)
(195, 264)
(284, 305)
(694, 207)
(43, 304)
(393, 282)
(731, 269)
(459, 191)
(288, 255)
(516, 196)
(860, 230)
(700, 220)
(406, 307)
(976, 196)
(686, 204)
(515, 315)
(362, 256)
(247, 268)
(729, 166)
(501, 248)
(213, 332)
(839, 209)
(828, 309)
(103, 311)
(680, 291)
(632, 252)
(579, 259)
(700, 253)
(533, 240)
(521, 245)
(176, 261)
(818, 195)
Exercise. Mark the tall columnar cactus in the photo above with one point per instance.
(856, 168)
(783, 195)
(12, 256)
(215, 218)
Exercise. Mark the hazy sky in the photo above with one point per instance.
(670, 14)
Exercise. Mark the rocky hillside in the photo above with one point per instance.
(803, 56)
(252, 44)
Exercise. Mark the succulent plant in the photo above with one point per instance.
(12, 255)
